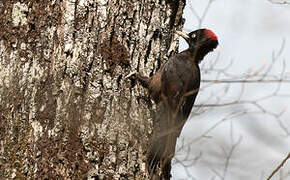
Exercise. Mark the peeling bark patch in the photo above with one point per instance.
(114, 53)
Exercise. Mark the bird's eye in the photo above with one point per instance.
(193, 35)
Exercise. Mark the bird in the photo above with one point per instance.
(174, 89)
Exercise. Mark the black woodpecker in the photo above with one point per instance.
(174, 89)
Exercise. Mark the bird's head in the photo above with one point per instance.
(200, 42)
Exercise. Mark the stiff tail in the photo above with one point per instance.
(162, 144)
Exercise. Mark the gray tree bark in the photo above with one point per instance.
(66, 109)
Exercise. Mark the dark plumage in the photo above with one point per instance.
(174, 88)
(180, 79)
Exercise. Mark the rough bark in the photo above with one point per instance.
(66, 109)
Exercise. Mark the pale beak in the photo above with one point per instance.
(185, 36)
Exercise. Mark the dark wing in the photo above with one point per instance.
(180, 82)
(179, 86)
(173, 82)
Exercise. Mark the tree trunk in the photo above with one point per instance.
(67, 110)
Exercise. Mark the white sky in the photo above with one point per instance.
(248, 32)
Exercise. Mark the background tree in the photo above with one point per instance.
(66, 109)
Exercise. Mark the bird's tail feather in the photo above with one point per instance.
(163, 141)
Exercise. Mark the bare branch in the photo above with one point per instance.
(279, 166)
(279, 2)
(247, 81)
(198, 17)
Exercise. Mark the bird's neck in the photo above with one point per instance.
(195, 55)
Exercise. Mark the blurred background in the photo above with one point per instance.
(240, 126)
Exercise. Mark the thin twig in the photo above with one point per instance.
(279, 2)
(247, 81)
(279, 167)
